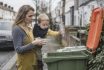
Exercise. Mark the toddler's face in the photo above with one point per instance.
(44, 24)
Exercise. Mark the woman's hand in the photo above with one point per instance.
(39, 41)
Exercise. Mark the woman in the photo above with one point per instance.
(23, 40)
(41, 29)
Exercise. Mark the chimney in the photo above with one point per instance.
(8, 7)
(5, 5)
(1, 3)
(12, 8)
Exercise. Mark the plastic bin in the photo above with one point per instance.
(66, 61)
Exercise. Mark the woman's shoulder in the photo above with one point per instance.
(16, 28)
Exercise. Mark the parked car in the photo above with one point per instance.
(6, 40)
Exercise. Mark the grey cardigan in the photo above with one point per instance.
(18, 37)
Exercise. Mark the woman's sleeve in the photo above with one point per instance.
(18, 41)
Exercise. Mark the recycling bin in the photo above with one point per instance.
(66, 60)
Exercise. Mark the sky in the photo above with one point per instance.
(55, 3)
(18, 3)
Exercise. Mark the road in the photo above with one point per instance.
(5, 56)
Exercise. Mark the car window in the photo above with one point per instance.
(5, 26)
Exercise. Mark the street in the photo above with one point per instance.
(5, 56)
(72, 23)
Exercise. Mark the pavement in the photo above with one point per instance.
(51, 46)
(5, 56)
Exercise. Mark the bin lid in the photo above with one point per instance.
(57, 56)
(95, 29)
(55, 59)
(72, 49)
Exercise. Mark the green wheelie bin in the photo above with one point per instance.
(66, 60)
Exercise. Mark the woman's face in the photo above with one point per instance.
(44, 23)
(29, 17)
